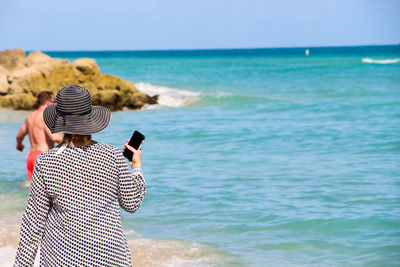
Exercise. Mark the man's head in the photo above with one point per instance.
(45, 98)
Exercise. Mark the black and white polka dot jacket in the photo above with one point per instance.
(74, 208)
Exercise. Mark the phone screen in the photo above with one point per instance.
(135, 142)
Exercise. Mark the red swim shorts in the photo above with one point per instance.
(30, 161)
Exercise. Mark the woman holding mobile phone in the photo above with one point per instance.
(77, 191)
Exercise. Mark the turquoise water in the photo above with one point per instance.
(268, 156)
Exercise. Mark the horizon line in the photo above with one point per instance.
(209, 49)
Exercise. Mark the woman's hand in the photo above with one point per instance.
(137, 156)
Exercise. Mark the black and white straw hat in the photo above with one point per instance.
(73, 113)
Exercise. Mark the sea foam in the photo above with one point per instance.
(156, 252)
(380, 61)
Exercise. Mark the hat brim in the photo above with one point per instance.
(87, 124)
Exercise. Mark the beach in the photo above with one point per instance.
(257, 157)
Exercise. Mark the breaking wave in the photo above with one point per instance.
(380, 61)
(167, 96)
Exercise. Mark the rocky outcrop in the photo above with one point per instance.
(22, 77)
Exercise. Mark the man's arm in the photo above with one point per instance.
(23, 131)
(58, 138)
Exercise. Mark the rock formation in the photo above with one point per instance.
(23, 77)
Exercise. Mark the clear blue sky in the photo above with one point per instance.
(186, 24)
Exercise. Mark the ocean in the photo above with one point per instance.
(253, 157)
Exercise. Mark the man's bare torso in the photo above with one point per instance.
(38, 132)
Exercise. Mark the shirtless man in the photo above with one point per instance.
(40, 137)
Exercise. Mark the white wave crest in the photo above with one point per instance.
(168, 97)
(380, 61)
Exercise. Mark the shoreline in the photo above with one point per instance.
(147, 252)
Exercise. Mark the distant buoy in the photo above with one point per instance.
(307, 52)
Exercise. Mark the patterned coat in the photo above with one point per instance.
(74, 208)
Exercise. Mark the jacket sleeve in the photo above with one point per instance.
(33, 220)
(131, 185)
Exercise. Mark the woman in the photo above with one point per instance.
(77, 191)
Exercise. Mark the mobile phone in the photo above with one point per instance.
(135, 142)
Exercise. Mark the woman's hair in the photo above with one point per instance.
(78, 140)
